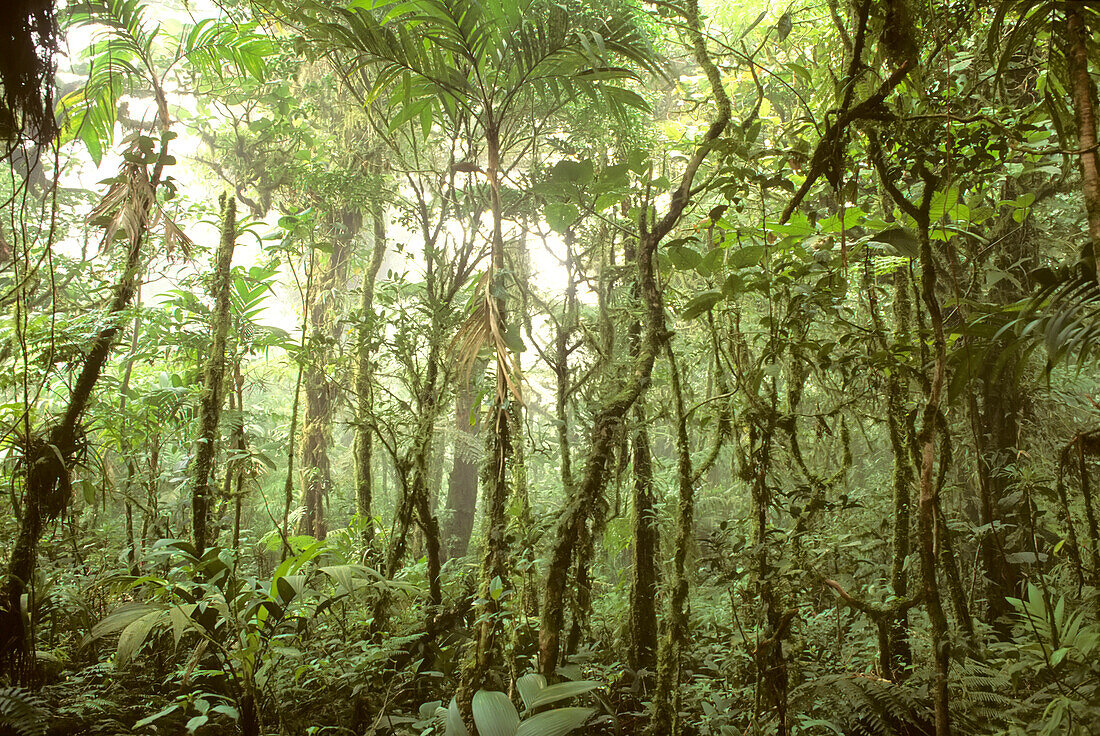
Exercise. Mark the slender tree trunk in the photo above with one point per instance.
(926, 519)
(210, 405)
(898, 659)
(642, 654)
(607, 423)
(994, 425)
(1083, 91)
(770, 661)
(463, 481)
(132, 542)
(667, 698)
(950, 564)
(1074, 544)
(292, 435)
(1090, 512)
(494, 568)
(320, 392)
(364, 378)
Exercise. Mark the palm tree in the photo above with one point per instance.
(489, 61)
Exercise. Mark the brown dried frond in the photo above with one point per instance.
(130, 207)
(472, 336)
(480, 329)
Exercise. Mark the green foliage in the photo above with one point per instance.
(1058, 639)
(246, 625)
(495, 715)
(21, 712)
(862, 704)
(130, 51)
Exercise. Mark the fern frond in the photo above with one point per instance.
(21, 712)
(867, 705)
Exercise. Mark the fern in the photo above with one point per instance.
(982, 696)
(864, 705)
(21, 712)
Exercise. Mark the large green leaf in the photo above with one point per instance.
(563, 690)
(494, 714)
(529, 687)
(558, 722)
(118, 619)
(701, 303)
(455, 726)
(134, 635)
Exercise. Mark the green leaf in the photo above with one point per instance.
(560, 216)
(558, 722)
(942, 203)
(494, 714)
(529, 686)
(455, 726)
(701, 303)
(117, 620)
(196, 723)
(134, 635)
(496, 588)
(749, 255)
(348, 577)
(426, 120)
(564, 690)
(227, 710)
(181, 622)
(901, 240)
(576, 172)
(88, 490)
(683, 257)
(156, 716)
(733, 285)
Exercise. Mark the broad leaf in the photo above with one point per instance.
(494, 714)
(558, 722)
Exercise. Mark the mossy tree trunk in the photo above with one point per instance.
(500, 424)
(320, 391)
(1083, 92)
(462, 484)
(364, 376)
(213, 396)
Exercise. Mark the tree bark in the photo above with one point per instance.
(926, 519)
(667, 698)
(1084, 110)
(488, 648)
(210, 405)
(320, 392)
(642, 652)
(364, 378)
(462, 485)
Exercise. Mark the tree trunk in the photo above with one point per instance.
(667, 698)
(642, 653)
(210, 405)
(494, 568)
(463, 481)
(607, 423)
(364, 378)
(320, 392)
(898, 660)
(1084, 111)
(926, 519)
